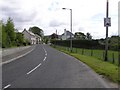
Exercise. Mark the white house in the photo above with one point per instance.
(38, 39)
(31, 37)
(66, 35)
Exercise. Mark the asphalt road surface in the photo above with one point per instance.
(46, 67)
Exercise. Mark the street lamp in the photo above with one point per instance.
(70, 27)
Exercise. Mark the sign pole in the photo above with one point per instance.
(106, 44)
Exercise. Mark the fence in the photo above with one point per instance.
(113, 56)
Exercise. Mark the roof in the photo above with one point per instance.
(29, 32)
(68, 33)
(37, 35)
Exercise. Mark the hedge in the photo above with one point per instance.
(88, 44)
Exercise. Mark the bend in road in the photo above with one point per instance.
(46, 67)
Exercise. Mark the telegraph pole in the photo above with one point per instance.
(107, 23)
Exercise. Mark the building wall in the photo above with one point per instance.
(30, 38)
(38, 39)
(27, 36)
(66, 35)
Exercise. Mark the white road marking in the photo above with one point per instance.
(7, 86)
(44, 59)
(39, 64)
(45, 51)
(34, 68)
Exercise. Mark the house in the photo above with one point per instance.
(38, 39)
(31, 37)
(67, 35)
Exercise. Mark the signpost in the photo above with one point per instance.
(107, 23)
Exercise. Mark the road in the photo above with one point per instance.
(46, 67)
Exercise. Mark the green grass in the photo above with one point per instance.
(99, 54)
(107, 69)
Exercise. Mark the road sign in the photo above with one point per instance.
(107, 22)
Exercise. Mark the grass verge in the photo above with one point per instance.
(108, 70)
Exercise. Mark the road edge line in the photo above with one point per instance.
(7, 86)
(16, 57)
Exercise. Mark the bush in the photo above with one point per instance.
(26, 42)
(88, 44)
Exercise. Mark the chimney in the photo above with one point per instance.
(56, 31)
(65, 32)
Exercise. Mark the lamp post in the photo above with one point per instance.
(70, 27)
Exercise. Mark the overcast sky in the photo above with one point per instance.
(88, 15)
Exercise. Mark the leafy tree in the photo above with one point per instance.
(54, 36)
(88, 36)
(46, 39)
(114, 42)
(36, 30)
(9, 28)
(80, 36)
(19, 39)
(0, 33)
(10, 35)
(26, 42)
(4, 36)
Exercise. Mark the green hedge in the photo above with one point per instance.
(88, 44)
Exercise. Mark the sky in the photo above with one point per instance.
(87, 15)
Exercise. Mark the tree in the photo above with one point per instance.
(80, 35)
(54, 36)
(114, 42)
(10, 35)
(36, 30)
(19, 39)
(4, 36)
(0, 33)
(10, 30)
(88, 36)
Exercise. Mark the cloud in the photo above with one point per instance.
(87, 15)
(98, 17)
(55, 23)
(17, 14)
(54, 6)
(10, 8)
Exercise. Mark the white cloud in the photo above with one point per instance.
(87, 14)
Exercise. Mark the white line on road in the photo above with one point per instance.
(7, 86)
(45, 51)
(34, 68)
(39, 64)
(44, 59)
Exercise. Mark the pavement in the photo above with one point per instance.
(45, 67)
(12, 54)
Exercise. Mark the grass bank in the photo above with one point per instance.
(113, 56)
(106, 69)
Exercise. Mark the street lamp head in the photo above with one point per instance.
(63, 8)
(67, 9)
